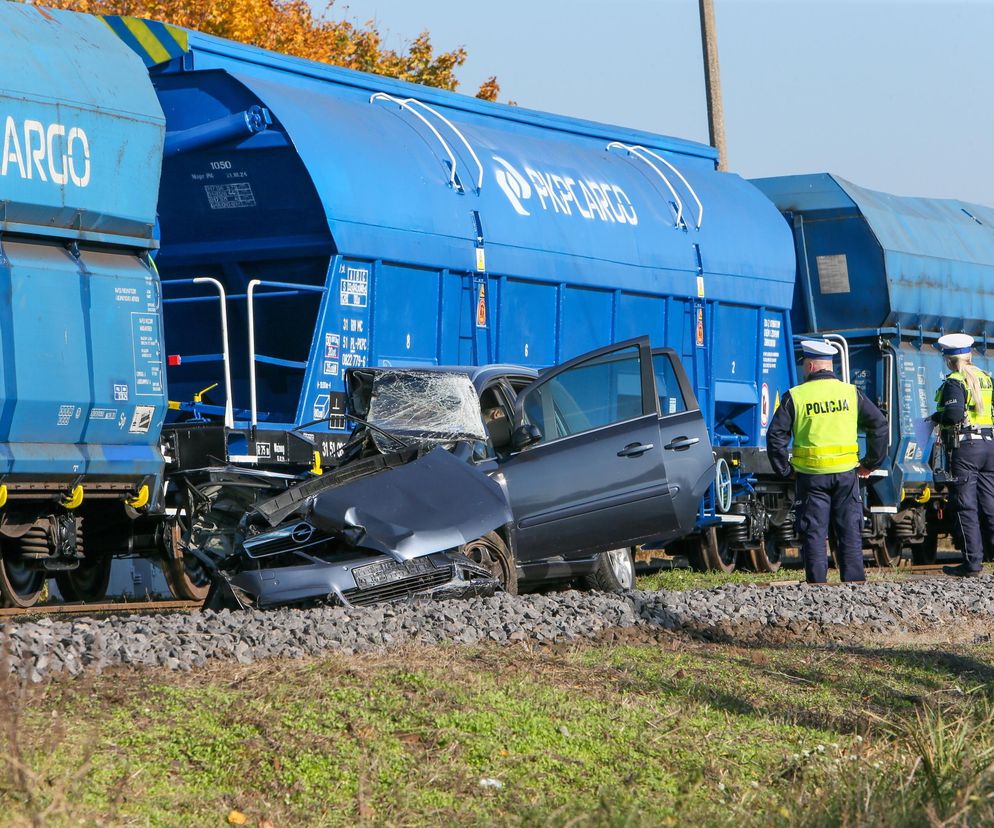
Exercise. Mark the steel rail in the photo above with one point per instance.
(104, 608)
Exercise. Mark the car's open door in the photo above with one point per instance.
(594, 477)
(687, 452)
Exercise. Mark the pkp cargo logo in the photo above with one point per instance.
(47, 152)
(514, 185)
(563, 194)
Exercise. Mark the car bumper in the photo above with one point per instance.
(361, 581)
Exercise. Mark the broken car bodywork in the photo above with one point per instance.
(378, 528)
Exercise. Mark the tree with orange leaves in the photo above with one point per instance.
(291, 27)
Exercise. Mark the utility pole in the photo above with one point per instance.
(712, 80)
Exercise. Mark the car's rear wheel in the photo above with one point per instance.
(492, 553)
(615, 571)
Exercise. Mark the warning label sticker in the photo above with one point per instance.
(229, 196)
(141, 421)
(481, 307)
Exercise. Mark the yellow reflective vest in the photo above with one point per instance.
(977, 416)
(826, 416)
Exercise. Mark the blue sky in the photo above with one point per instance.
(894, 94)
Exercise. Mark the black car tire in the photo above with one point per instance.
(615, 572)
(492, 552)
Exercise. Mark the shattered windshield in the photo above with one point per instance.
(426, 407)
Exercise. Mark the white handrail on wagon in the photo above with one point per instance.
(249, 295)
(409, 104)
(635, 150)
(229, 412)
(459, 135)
(841, 345)
(686, 183)
(383, 96)
(250, 300)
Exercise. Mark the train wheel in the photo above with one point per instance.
(889, 553)
(925, 553)
(187, 578)
(712, 552)
(768, 556)
(88, 582)
(20, 585)
(186, 575)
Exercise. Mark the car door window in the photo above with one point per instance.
(598, 392)
(671, 398)
(496, 411)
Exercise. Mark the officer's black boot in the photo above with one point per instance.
(962, 571)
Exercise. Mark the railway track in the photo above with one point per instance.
(107, 608)
(150, 607)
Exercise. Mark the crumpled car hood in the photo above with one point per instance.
(435, 503)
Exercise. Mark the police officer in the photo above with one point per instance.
(964, 414)
(823, 416)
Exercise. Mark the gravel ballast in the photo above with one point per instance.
(744, 612)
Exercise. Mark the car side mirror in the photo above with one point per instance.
(525, 435)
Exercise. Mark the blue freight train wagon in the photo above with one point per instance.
(315, 219)
(82, 382)
(885, 276)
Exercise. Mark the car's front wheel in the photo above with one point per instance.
(615, 571)
(491, 552)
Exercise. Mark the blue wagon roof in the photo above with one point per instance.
(545, 196)
(78, 117)
(938, 254)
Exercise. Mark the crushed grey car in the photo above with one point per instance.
(460, 481)
(396, 519)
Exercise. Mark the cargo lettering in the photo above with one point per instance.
(827, 407)
(46, 153)
(563, 194)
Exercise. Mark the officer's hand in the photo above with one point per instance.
(862, 472)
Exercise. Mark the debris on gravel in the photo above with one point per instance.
(742, 612)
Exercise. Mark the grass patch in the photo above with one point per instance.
(643, 732)
(682, 579)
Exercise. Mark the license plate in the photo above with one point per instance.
(388, 572)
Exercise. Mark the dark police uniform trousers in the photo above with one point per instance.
(820, 496)
(828, 500)
(972, 467)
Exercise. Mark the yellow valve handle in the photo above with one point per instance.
(3, 496)
(903, 495)
(75, 498)
(140, 499)
(316, 468)
(925, 496)
(198, 397)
